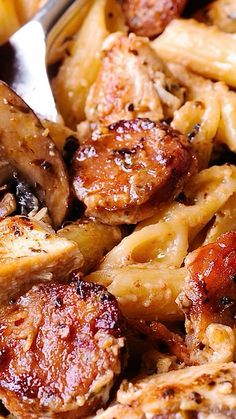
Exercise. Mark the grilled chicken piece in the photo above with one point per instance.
(132, 82)
(30, 253)
(61, 350)
(150, 17)
(209, 299)
(192, 390)
(123, 174)
(27, 146)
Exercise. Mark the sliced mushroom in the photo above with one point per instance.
(26, 200)
(29, 148)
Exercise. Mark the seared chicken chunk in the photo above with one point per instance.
(122, 174)
(132, 82)
(193, 391)
(30, 253)
(61, 350)
(209, 298)
(150, 17)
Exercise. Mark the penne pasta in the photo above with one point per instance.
(144, 271)
(199, 120)
(216, 122)
(80, 67)
(165, 238)
(93, 238)
(144, 291)
(204, 49)
(225, 220)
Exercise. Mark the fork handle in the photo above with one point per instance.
(51, 13)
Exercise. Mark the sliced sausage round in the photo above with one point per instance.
(122, 174)
(61, 350)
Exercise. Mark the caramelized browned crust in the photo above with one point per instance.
(150, 17)
(210, 292)
(192, 392)
(123, 174)
(60, 350)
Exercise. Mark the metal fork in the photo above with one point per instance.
(23, 57)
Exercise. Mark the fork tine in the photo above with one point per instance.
(23, 57)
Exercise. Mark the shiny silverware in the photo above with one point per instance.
(23, 57)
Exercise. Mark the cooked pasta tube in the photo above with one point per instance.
(226, 132)
(197, 86)
(9, 21)
(225, 220)
(94, 239)
(208, 191)
(80, 68)
(199, 119)
(61, 40)
(203, 49)
(144, 291)
(201, 89)
(166, 241)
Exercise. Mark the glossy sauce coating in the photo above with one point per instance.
(211, 287)
(150, 17)
(60, 350)
(124, 173)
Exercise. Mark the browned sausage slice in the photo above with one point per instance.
(212, 284)
(150, 17)
(124, 173)
(60, 350)
(209, 300)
